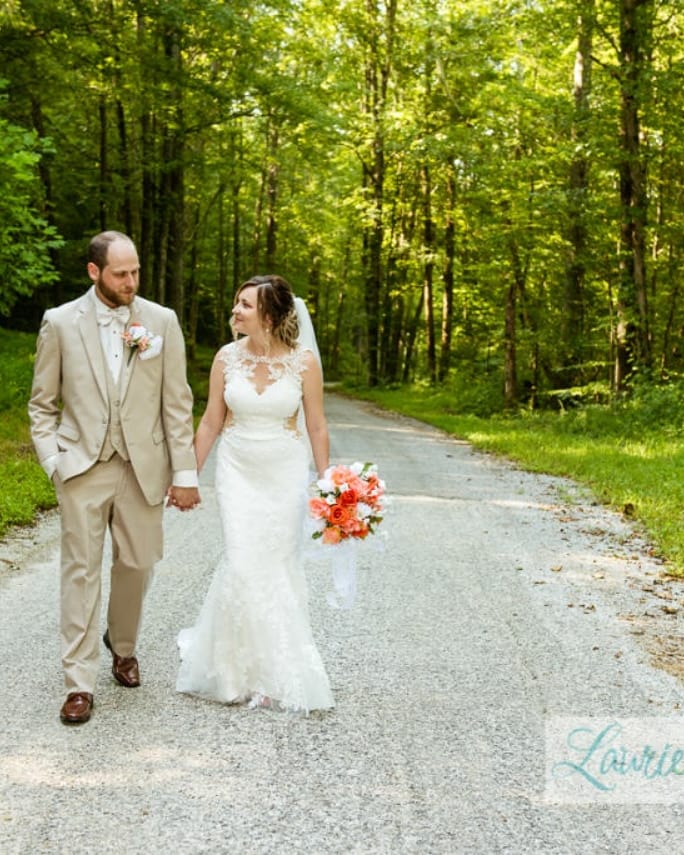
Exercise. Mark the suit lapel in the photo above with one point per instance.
(130, 358)
(90, 335)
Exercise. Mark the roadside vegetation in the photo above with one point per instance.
(25, 489)
(628, 452)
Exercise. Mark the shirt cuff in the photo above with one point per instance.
(185, 478)
(50, 465)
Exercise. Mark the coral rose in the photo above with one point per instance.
(349, 498)
(338, 515)
(339, 475)
(332, 535)
(318, 507)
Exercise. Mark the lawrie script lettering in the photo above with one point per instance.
(603, 756)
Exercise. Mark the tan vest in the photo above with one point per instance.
(114, 440)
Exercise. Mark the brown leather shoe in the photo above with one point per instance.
(125, 669)
(77, 708)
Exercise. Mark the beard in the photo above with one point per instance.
(113, 298)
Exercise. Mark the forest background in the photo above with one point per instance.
(481, 202)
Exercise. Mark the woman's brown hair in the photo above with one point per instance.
(275, 303)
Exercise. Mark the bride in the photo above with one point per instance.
(252, 642)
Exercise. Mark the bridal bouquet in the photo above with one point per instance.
(349, 503)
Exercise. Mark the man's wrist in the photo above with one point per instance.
(185, 478)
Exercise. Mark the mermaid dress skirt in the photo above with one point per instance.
(252, 639)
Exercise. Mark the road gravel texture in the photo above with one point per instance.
(501, 599)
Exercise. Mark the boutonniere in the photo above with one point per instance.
(148, 345)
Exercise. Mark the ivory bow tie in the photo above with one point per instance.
(105, 315)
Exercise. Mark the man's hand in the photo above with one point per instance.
(183, 498)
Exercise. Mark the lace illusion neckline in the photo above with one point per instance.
(247, 354)
(262, 371)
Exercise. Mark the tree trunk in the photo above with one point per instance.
(572, 331)
(411, 335)
(448, 277)
(258, 213)
(428, 271)
(673, 306)
(237, 235)
(373, 279)
(394, 336)
(377, 73)
(192, 294)
(632, 332)
(510, 356)
(174, 179)
(148, 190)
(125, 169)
(222, 284)
(272, 200)
(103, 190)
(335, 348)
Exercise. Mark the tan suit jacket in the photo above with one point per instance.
(69, 408)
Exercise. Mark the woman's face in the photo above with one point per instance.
(246, 320)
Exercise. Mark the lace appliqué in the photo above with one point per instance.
(237, 358)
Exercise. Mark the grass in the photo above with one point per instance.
(25, 490)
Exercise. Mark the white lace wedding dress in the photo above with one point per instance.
(252, 641)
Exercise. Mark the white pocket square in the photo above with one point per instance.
(153, 349)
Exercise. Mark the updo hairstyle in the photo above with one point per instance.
(275, 303)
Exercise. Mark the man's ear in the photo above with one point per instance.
(93, 271)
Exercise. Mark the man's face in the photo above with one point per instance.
(117, 283)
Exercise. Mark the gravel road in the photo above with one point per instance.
(500, 601)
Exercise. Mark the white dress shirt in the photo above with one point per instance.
(112, 324)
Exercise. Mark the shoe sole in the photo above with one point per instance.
(65, 719)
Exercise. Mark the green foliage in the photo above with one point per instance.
(321, 139)
(198, 377)
(16, 358)
(26, 238)
(463, 394)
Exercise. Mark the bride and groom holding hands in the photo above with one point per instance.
(111, 422)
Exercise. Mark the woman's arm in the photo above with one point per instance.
(214, 416)
(314, 414)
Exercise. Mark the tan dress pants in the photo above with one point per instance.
(107, 496)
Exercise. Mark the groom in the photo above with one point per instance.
(111, 422)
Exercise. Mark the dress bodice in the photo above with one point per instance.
(262, 412)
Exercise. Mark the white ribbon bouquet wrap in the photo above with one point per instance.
(348, 507)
